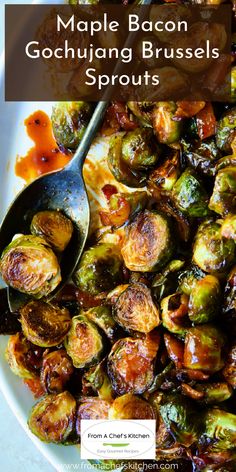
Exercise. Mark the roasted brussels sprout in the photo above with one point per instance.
(204, 301)
(229, 371)
(19, 356)
(211, 252)
(214, 392)
(54, 227)
(119, 168)
(92, 408)
(84, 343)
(165, 175)
(148, 244)
(142, 111)
(122, 207)
(166, 129)
(223, 198)
(102, 317)
(226, 130)
(97, 378)
(228, 228)
(220, 427)
(128, 407)
(135, 309)
(44, 324)
(174, 311)
(29, 265)
(69, 121)
(137, 152)
(188, 278)
(100, 269)
(181, 418)
(203, 348)
(202, 155)
(52, 419)
(189, 195)
(131, 364)
(56, 371)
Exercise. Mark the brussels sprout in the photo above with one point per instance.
(223, 199)
(228, 228)
(188, 278)
(165, 282)
(137, 151)
(56, 371)
(165, 175)
(102, 317)
(190, 196)
(220, 427)
(214, 392)
(142, 111)
(148, 244)
(44, 324)
(202, 155)
(130, 407)
(92, 408)
(181, 418)
(204, 302)
(211, 252)
(119, 168)
(135, 309)
(100, 269)
(202, 350)
(229, 371)
(123, 206)
(166, 129)
(29, 265)
(131, 364)
(96, 378)
(18, 356)
(54, 227)
(174, 311)
(69, 121)
(226, 130)
(84, 343)
(52, 418)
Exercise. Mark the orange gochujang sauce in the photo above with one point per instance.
(45, 156)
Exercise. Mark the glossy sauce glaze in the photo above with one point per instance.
(45, 156)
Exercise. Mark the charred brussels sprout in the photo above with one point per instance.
(203, 346)
(97, 378)
(29, 265)
(211, 252)
(188, 278)
(18, 356)
(119, 168)
(100, 269)
(202, 155)
(190, 196)
(84, 343)
(92, 408)
(220, 427)
(223, 199)
(128, 407)
(204, 302)
(54, 227)
(174, 311)
(102, 317)
(131, 364)
(44, 324)
(180, 418)
(69, 121)
(226, 130)
(142, 111)
(137, 151)
(148, 244)
(56, 371)
(135, 309)
(166, 129)
(52, 418)
(228, 228)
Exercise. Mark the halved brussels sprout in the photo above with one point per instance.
(102, 317)
(119, 168)
(228, 228)
(18, 356)
(100, 269)
(148, 244)
(97, 378)
(188, 278)
(131, 364)
(214, 392)
(204, 302)
(84, 343)
(44, 324)
(220, 427)
(69, 121)
(202, 155)
(166, 281)
(223, 198)
(165, 175)
(226, 130)
(54, 227)
(135, 309)
(92, 408)
(56, 371)
(203, 348)
(142, 111)
(130, 407)
(189, 195)
(137, 151)
(166, 129)
(29, 265)
(174, 311)
(181, 418)
(52, 419)
(211, 252)
(229, 371)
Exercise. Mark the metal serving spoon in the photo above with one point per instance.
(61, 190)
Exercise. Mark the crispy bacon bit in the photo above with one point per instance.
(35, 386)
(206, 121)
(117, 117)
(109, 190)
